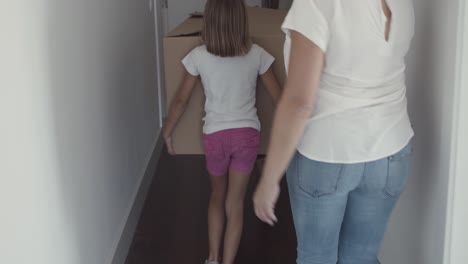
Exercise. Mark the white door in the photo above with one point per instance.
(456, 237)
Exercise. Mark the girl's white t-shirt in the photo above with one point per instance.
(361, 108)
(230, 86)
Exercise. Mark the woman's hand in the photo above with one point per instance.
(169, 145)
(265, 199)
(294, 110)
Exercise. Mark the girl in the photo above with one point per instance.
(344, 109)
(229, 66)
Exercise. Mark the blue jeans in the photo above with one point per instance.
(341, 211)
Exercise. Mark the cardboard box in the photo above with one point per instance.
(265, 31)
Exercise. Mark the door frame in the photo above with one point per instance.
(456, 235)
(160, 22)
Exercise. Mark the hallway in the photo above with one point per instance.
(172, 228)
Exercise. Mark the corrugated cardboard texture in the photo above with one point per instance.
(265, 31)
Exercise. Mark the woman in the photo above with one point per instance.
(344, 110)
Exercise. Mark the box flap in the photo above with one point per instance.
(191, 26)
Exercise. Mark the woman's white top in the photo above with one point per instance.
(230, 86)
(361, 108)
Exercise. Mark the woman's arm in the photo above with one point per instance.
(294, 109)
(178, 106)
(271, 85)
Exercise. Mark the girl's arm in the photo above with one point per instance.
(178, 106)
(294, 109)
(271, 84)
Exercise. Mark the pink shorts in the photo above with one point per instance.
(232, 149)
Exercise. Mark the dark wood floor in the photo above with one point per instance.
(173, 229)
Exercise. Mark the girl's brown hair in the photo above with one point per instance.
(226, 29)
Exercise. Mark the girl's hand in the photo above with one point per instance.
(169, 145)
(178, 105)
(265, 199)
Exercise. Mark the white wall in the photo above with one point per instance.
(79, 119)
(179, 10)
(416, 233)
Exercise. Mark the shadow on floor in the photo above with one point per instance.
(173, 230)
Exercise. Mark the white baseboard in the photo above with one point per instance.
(129, 224)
